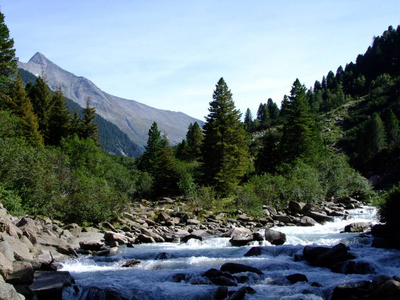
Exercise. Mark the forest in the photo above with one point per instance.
(339, 138)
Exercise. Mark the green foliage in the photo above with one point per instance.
(150, 160)
(59, 119)
(88, 128)
(11, 201)
(225, 145)
(389, 211)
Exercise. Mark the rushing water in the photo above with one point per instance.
(153, 279)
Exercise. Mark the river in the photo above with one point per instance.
(154, 278)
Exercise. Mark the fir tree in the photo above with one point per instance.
(248, 121)
(375, 136)
(273, 111)
(59, 119)
(392, 130)
(8, 62)
(194, 138)
(300, 137)
(88, 128)
(263, 116)
(225, 145)
(150, 160)
(23, 108)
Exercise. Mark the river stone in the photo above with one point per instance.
(307, 221)
(239, 294)
(144, 239)
(8, 292)
(186, 238)
(96, 293)
(353, 267)
(49, 285)
(275, 237)
(21, 252)
(164, 255)
(357, 227)
(255, 251)
(238, 241)
(22, 273)
(112, 237)
(293, 278)
(91, 245)
(6, 266)
(234, 268)
(222, 293)
(130, 263)
(325, 256)
(7, 250)
(353, 290)
(320, 217)
(296, 206)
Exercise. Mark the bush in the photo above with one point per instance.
(389, 211)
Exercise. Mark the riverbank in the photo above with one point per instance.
(31, 248)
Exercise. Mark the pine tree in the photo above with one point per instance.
(375, 136)
(8, 62)
(263, 116)
(150, 160)
(40, 95)
(23, 108)
(392, 130)
(59, 119)
(88, 127)
(225, 145)
(300, 137)
(194, 138)
(248, 121)
(273, 111)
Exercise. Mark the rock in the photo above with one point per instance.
(193, 222)
(144, 239)
(354, 290)
(293, 278)
(239, 294)
(237, 231)
(21, 251)
(216, 273)
(163, 217)
(22, 273)
(112, 237)
(255, 251)
(179, 277)
(8, 227)
(130, 263)
(164, 255)
(91, 245)
(186, 238)
(357, 227)
(275, 237)
(296, 207)
(156, 237)
(234, 268)
(320, 217)
(326, 257)
(307, 221)
(49, 285)
(222, 293)
(8, 292)
(353, 267)
(96, 293)
(223, 280)
(7, 250)
(6, 266)
(239, 241)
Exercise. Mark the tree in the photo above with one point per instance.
(248, 121)
(300, 137)
(23, 108)
(375, 136)
(225, 145)
(392, 130)
(273, 111)
(40, 95)
(8, 62)
(59, 119)
(263, 116)
(150, 159)
(194, 138)
(89, 128)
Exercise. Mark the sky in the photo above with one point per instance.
(170, 54)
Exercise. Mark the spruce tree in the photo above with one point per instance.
(225, 146)
(263, 116)
(23, 108)
(248, 121)
(392, 130)
(273, 111)
(194, 138)
(59, 119)
(8, 62)
(88, 127)
(375, 136)
(300, 138)
(151, 158)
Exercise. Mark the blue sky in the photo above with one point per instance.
(170, 54)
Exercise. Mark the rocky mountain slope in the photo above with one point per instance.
(130, 116)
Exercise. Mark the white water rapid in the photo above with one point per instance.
(154, 279)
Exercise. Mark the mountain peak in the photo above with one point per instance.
(38, 58)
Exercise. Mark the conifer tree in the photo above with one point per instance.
(375, 136)
(263, 116)
(300, 137)
(8, 62)
(392, 130)
(194, 138)
(248, 121)
(150, 160)
(88, 127)
(40, 95)
(59, 119)
(22, 107)
(225, 145)
(273, 111)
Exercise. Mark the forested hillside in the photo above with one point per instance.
(322, 143)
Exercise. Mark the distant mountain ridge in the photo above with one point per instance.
(132, 117)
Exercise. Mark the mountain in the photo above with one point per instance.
(111, 138)
(130, 116)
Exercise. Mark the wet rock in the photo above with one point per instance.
(222, 293)
(296, 207)
(354, 290)
(357, 227)
(320, 217)
(164, 255)
(293, 278)
(20, 250)
(112, 237)
(353, 267)
(255, 251)
(91, 245)
(223, 280)
(216, 273)
(144, 239)
(7, 251)
(239, 241)
(96, 293)
(49, 285)
(179, 277)
(130, 263)
(239, 294)
(275, 237)
(325, 256)
(234, 268)
(307, 221)
(186, 238)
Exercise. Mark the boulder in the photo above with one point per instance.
(293, 278)
(352, 290)
(353, 267)
(96, 293)
(22, 273)
(8, 292)
(320, 217)
(164, 255)
(130, 263)
(239, 241)
(307, 221)
(222, 293)
(237, 231)
(357, 227)
(234, 268)
(49, 285)
(223, 280)
(6, 266)
(275, 237)
(255, 251)
(186, 238)
(296, 207)
(144, 239)
(325, 256)
(7, 250)
(91, 245)
(21, 251)
(239, 294)
(113, 237)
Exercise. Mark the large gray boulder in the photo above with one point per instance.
(49, 285)
(275, 237)
(6, 266)
(357, 227)
(8, 292)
